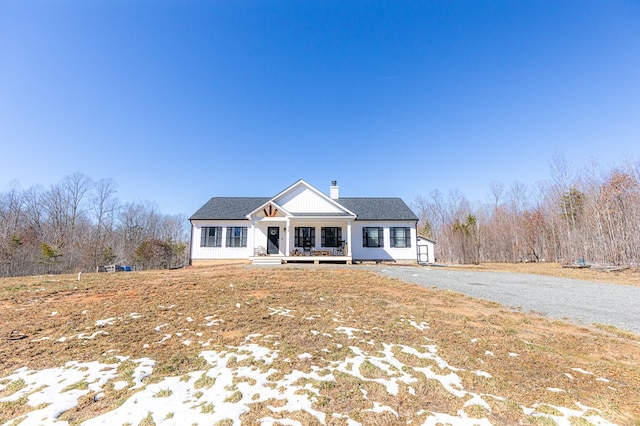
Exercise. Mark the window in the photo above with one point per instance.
(305, 237)
(372, 237)
(400, 237)
(331, 237)
(237, 236)
(211, 236)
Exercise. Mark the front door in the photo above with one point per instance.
(273, 243)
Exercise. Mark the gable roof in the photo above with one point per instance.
(237, 208)
(229, 208)
(364, 208)
(378, 208)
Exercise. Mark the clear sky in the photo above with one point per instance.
(179, 101)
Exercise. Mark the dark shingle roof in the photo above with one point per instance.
(378, 208)
(229, 208)
(236, 208)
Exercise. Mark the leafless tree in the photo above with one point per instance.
(578, 214)
(76, 225)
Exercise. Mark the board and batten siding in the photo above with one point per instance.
(387, 252)
(304, 200)
(201, 253)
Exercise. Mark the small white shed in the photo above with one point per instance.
(426, 251)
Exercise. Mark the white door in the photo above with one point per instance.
(423, 253)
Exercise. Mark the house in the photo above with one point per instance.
(302, 224)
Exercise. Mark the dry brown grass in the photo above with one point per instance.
(224, 304)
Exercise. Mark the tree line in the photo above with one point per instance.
(580, 214)
(79, 224)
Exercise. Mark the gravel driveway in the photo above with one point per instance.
(584, 302)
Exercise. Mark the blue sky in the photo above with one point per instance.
(179, 101)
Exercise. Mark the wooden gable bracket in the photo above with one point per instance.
(271, 213)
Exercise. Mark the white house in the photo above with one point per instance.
(302, 224)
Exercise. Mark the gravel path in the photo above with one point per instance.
(584, 302)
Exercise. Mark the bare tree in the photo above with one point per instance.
(104, 207)
(75, 225)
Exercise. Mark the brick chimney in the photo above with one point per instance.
(334, 190)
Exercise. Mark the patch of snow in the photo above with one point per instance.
(580, 370)
(57, 390)
(212, 321)
(349, 331)
(422, 326)
(252, 336)
(271, 421)
(244, 375)
(144, 368)
(280, 311)
(159, 327)
(567, 413)
(120, 384)
(103, 322)
(92, 336)
(437, 419)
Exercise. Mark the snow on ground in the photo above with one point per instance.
(238, 377)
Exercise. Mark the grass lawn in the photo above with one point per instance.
(242, 345)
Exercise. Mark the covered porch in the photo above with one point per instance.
(314, 259)
(302, 240)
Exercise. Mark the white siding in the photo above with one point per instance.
(426, 250)
(359, 252)
(223, 252)
(305, 200)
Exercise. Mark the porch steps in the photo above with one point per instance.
(266, 260)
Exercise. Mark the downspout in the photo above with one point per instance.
(191, 243)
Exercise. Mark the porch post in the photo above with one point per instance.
(287, 225)
(349, 238)
(253, 237)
